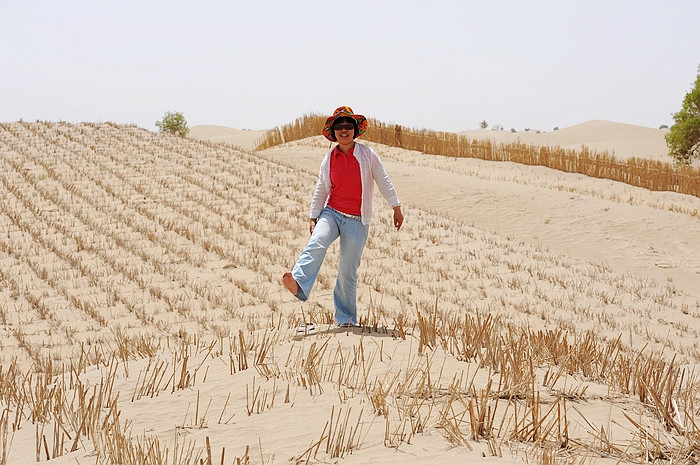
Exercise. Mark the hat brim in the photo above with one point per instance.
(359, 119)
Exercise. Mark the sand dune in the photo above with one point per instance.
(618, 139)
(243, 138)
(521, 315)
(631, 229)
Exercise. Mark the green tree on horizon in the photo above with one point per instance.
(683, 139)
(173, 123)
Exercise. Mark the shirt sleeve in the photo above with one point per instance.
(386, 187)
(322, 190)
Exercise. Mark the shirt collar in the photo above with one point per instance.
(336, 151)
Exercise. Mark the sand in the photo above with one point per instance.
(154, 264)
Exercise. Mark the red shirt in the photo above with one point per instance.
(346, 182)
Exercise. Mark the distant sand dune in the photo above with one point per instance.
(621, 140)
(244, 138)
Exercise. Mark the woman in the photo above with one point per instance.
(342, 207)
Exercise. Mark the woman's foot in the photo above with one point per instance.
(290, 283)
(347, 325)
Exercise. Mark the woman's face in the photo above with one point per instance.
(344, 130)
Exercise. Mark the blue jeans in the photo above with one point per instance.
(353, 236)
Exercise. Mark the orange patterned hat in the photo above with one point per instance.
(344, 112)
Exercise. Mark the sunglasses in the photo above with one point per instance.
(341, 126)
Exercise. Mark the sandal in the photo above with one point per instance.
(347, 325)
(306, 328)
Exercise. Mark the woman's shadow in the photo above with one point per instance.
(361, 330)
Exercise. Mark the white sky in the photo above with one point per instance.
(437, 64)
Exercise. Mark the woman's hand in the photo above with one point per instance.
(312, 224)
(398, 217)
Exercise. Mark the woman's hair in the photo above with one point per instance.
(344, 119)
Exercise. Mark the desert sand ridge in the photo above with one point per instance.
(244, 138)
(618, 139)
(145, 269)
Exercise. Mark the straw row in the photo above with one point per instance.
(649, 174)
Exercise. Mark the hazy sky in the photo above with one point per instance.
(442, 65)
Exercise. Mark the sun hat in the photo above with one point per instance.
(344, 112)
